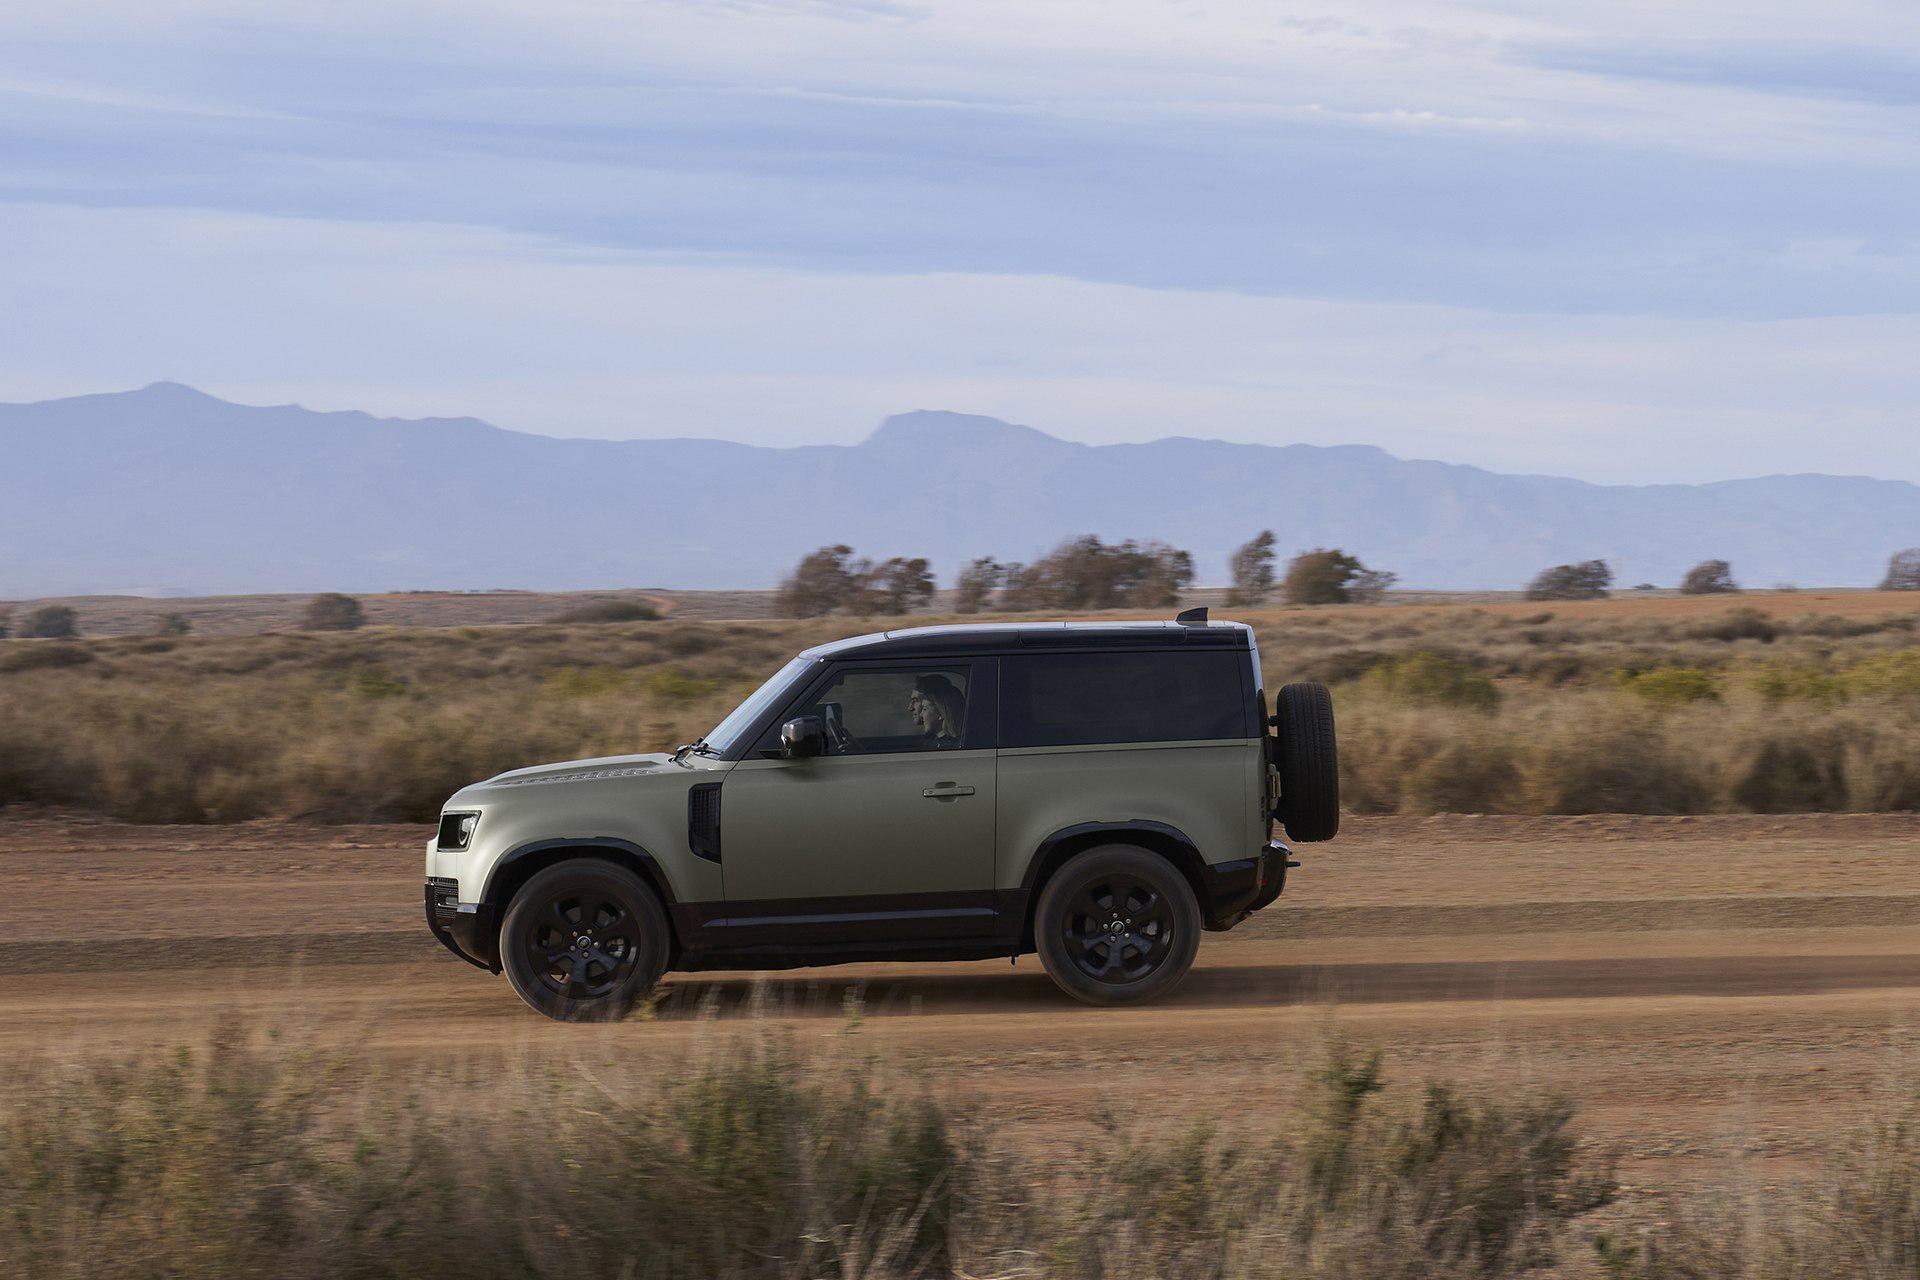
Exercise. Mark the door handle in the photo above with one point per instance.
(947, 791)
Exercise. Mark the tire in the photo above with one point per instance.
(584, 941)
(1308, 761)
(1143, 957)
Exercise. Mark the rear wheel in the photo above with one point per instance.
(1117, 925)
(584, 940)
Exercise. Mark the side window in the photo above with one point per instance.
(1070, 699)
(874, 710)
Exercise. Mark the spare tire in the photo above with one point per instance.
(1309, 765)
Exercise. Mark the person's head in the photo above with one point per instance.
(936, 706)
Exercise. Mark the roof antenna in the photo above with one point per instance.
(1192, 617)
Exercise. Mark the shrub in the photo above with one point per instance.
(1669, 686)
(331, 611)
(1323, 576)
(1887, 675)
(611, 611)
(1709, 577)
(1794, 775)
(1744, 623)
(172, 624)
(830, 580)
(1086, 573)
(6, 623)
(1433, 679)
(1587, 580)
(1800, 683)
(50, 622)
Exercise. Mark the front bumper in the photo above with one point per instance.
(1232, 891)
(465, 928)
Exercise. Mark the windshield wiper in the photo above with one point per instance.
(699, 748)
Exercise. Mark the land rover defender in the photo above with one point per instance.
(1099, 793)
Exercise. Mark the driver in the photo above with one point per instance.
(939, 709)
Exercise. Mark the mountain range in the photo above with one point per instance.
(169, 490)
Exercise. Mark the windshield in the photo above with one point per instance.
(723, 736)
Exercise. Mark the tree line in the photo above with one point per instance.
(1087, 573)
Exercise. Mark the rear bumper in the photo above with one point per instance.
(1231, 891)
(464, 928)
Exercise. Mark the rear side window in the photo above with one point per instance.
(1070, 699)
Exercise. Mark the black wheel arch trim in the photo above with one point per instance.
(1158, 837)
(518, 864)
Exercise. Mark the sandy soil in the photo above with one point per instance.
(1701, 986)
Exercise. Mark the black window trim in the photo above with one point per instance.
(983, 700)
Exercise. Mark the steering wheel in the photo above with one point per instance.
(843, 739)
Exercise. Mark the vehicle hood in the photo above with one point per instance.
(586, 770)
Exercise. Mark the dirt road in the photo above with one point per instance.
(1701, 986)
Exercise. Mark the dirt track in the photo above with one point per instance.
(1699, 985)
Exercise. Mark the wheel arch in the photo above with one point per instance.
(1056, 850)
(521, 863)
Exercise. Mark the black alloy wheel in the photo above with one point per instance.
(1117, 925)
(584, 939)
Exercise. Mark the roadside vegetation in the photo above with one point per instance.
(1724, 707)
(258, 1156)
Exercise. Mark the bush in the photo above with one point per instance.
(611, 611)
(973, 589)
(1588, 580)
(1086, 573)
(1737, 624)
(1887, 675)
(1801, 684)
(1430, 678)
(331, 611)
(50, 622)
(830, 580)
(1669, 686)
(1794, 775)
(172, 624)
(1709, 577)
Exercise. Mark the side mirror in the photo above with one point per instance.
(803, 737)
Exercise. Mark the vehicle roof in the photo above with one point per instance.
(1014, 637)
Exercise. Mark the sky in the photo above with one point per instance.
(1633, 242)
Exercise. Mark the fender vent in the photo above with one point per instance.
(703, 821)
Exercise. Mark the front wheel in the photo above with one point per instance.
(1117, 925)
(584, 940)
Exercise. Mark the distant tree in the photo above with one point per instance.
(1252, 569)
(1323, 576)
(6, 622)
(331, 611)
(1369, 585)
(1588, 580)
(822, 582)
(52, 622)
(973, 589)
(898, 585)
(1086, 573)
(1709, 578)
(172, 624)
(1903, 571)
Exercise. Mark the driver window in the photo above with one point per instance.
(894, 709)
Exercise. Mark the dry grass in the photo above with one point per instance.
(1609, 707)
(249, 1159)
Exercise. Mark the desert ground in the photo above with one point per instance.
(1708, 989)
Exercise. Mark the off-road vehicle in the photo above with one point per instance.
(1100, 793)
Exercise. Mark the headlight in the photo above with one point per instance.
(456, 830)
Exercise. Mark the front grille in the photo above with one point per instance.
(446, 895)
(703, 821)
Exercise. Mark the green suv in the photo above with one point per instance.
(1099, 793)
